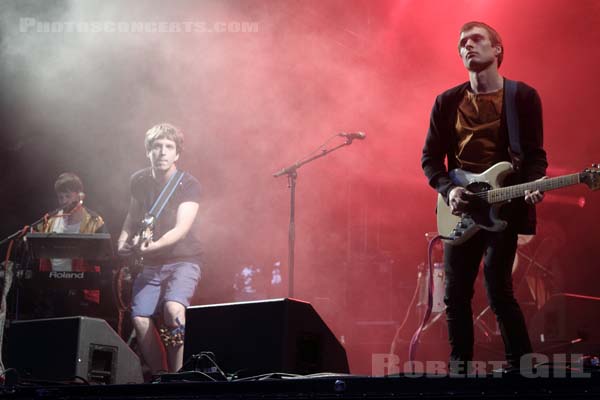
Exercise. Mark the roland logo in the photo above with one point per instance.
(66, 275)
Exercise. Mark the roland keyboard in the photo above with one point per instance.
(57, 279)
(92, 246)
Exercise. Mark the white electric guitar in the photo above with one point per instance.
(489, 196)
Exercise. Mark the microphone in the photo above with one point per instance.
(353, 135)
(74, 204)
(65, 209)
(71, 206)
(54, 212)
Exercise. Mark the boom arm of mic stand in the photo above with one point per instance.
(294, 167)
(11, 237)
(33, 224)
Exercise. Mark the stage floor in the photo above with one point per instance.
(327, 387)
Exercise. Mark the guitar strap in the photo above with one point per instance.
(512, 122)
(165, 195)
(152, 216)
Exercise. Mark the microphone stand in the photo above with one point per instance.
(33, 224)
(8, 279)
(67, 209)
(17, 235)
(292, 175)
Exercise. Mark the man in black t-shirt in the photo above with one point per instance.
(171, 257)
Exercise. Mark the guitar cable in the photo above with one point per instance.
(410, 307)
(412, 349)
(121, 303)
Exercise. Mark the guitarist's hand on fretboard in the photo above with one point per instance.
(535, 196)
(125, 249)
(148, 246)
(458, 200)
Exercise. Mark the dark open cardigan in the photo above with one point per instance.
(441, 143)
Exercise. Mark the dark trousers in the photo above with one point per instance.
(461, 266)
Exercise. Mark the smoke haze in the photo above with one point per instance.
(251, 103)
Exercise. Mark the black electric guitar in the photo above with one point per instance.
(489, 196)
(144, 233)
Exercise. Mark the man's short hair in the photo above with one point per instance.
(492, 33)
(68, 182)
(164, 131)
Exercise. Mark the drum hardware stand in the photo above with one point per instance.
(541, 273)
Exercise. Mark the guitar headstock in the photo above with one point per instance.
(591, 176)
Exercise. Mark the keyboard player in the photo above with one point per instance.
(73, 217)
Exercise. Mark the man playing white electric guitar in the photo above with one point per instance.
(473, 127)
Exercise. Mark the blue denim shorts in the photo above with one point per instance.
(157, 284)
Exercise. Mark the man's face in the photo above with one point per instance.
(476, 50)
(163, 154)
(67, 198)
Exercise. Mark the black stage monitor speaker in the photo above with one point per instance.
(567, 317)
(280, 335)
(65, 348)
(567, 323)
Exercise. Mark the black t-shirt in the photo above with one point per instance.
(145, 190)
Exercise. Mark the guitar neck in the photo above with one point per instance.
(513, 192)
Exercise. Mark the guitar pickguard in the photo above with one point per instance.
(480, 214)
(479, 209)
